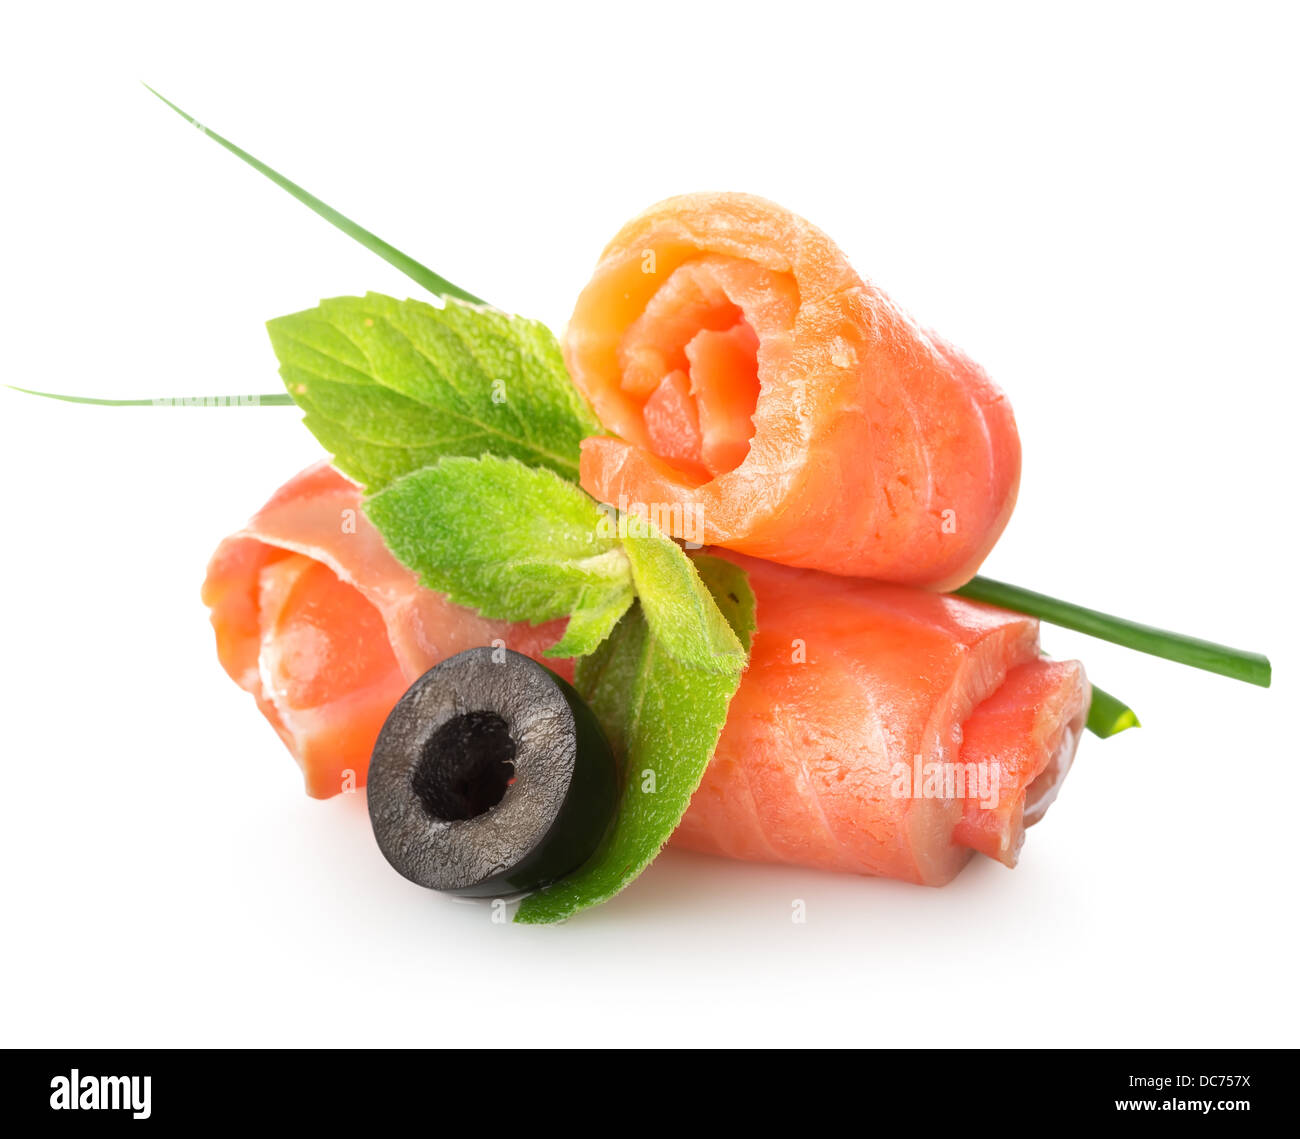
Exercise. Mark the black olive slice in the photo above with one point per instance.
(491, 776)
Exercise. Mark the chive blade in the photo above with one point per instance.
(421, 274)
(275, 399)
(1253, 668)
(1108, 715)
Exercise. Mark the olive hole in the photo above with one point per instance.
(465, 767)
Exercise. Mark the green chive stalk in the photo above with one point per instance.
(1238, 664)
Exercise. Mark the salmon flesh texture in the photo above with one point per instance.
(885, 730)
(752, 380)
(327, 629)
(850, 685)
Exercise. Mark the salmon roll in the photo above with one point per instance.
(877, 729)
(886, 731)
(326, 629)
(762, 397)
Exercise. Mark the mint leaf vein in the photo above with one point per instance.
(389, 387)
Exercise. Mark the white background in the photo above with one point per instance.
(1099, 207)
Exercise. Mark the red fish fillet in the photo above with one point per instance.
(327, 629)
(755, 383)
(884, 730)
(852, 689)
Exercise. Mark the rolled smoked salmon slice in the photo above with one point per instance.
(860, 704)
(327, 630)
(756, 386)
(886, 731)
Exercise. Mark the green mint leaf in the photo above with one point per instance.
(679, 608)
(663, 718)
(514, 542)
(590, 624)
(729, 586)
(390, 387)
